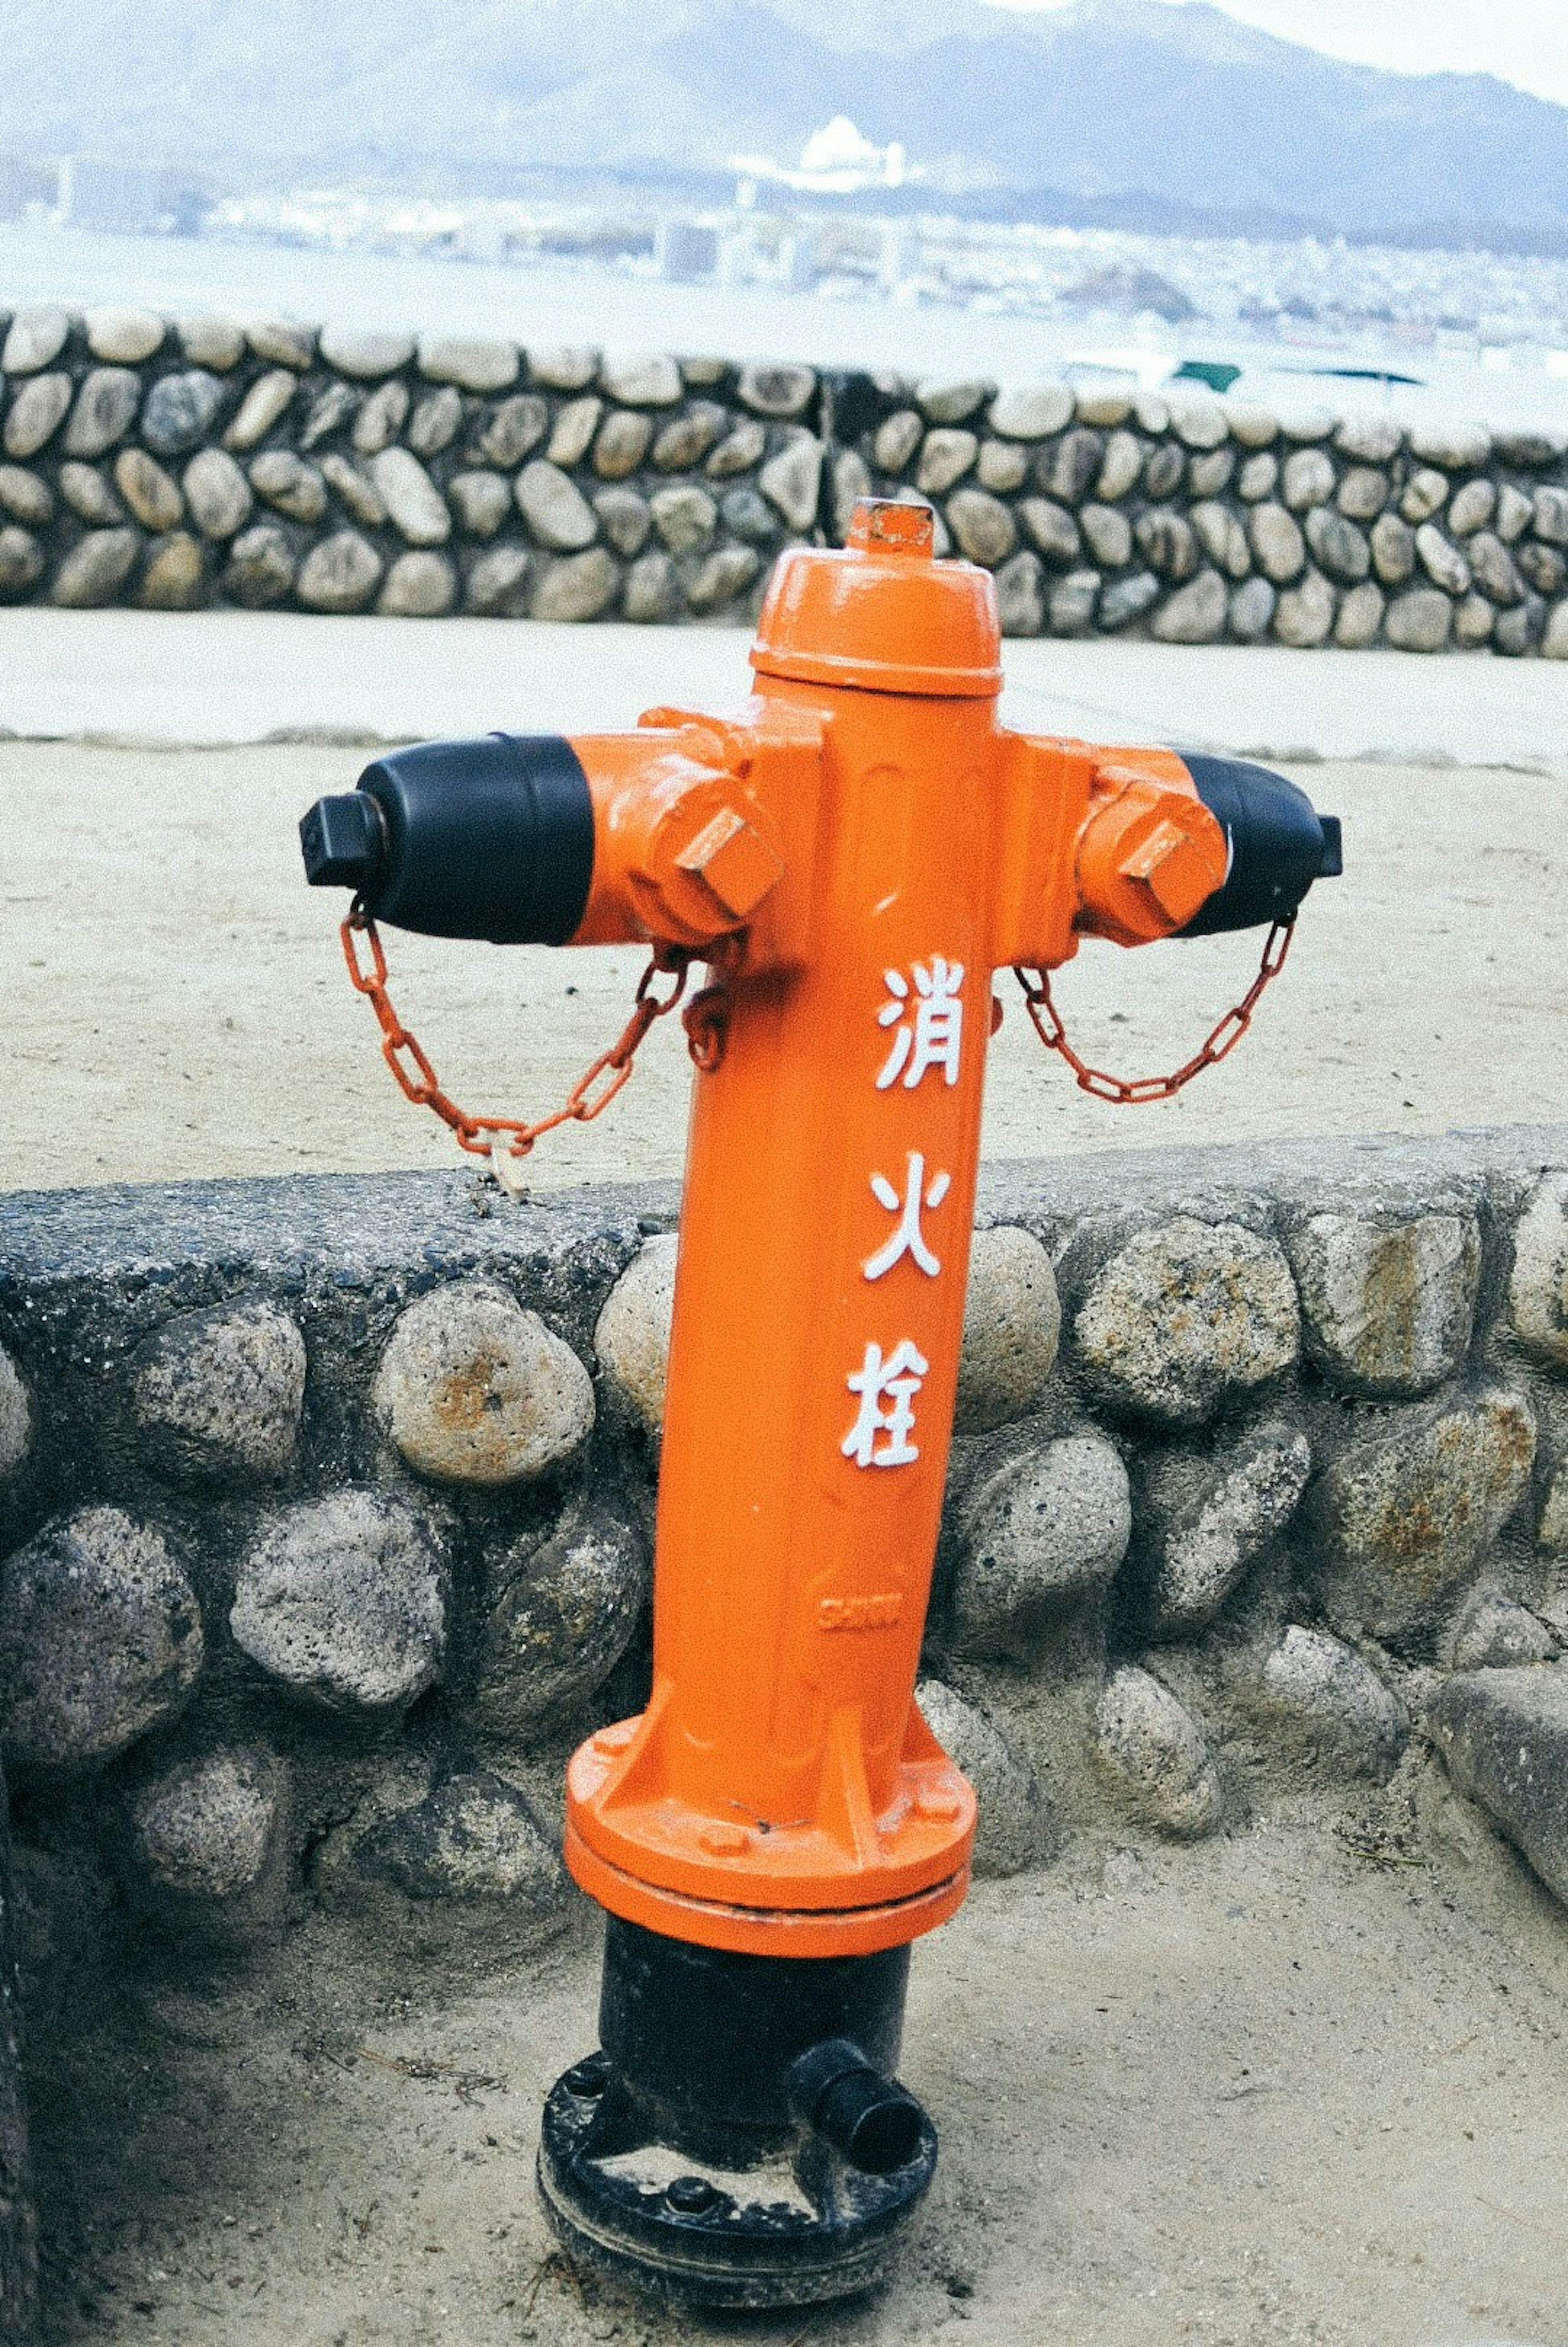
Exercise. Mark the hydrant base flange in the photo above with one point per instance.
(741, 2141)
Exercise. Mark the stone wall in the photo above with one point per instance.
(175, 465)
(326, 1506)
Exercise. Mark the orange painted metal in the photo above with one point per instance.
(872, 845)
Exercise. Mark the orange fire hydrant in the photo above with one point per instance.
(855, 852)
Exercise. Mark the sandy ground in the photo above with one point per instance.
(1301, 2083)
(177, 1005)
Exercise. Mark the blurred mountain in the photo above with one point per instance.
(1119, 110)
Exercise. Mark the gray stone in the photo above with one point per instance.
(852, 485)
(288, 483)
(574, 433)
(1194, 614)
(481, 501)
(624, 517)
(1472, 508)
(214, 343)
(560, 1614)
(100, 1638)
(564, 370)
(363, 353)
(623, 440)
(218, 494)
(1072, 602)
(1360, 617)
(1068, 472)
(35, 337)
(1031, 411)
(1444, 564)
(417, 508)
(1494, 1633)
(1151, 413)
(497, 585)
(943, 399)
(637, 381)
(1504, 1737)
(1407, 1511)
(1168, 544)
(1494, 568)
(1040, 1534)
(685, 517)
(1473, 621)
(216, 1396)
(1336, 1702)
(1552, 1531)
(1125, 601)
(1015, 1830)
(1277, 543)
(207, 1829)
(343, 1599)
(1200, 424)
(95, 570)
(35, 414)
(518, 426)
(281, 342)
(1527, 446)
(555, 509)
(1387, 1306)
(792, 481)
(179, 410)
(747, 515)
(575, 587)
(1419, 621)
(1259, 481)
(1304, 615)
(631, 1341)
(1363, 493)
(1307, 423)
(1002, 466)
(1103, 406)
(1187, 1317)
(436, 421)
(686, 438)
(1021, 596)
(1054, 529)
(1555, 642)
(1207, 1519)
(1426, 494)
(1155, 1753)
(1538, 1287)
(1252, 608)
(1309, 479)
(260, 569)
(781, 391)
(1518, 633)
(104, 410)
(473, 1841)
(1393, 549)
(1210, 476)
(381, 419)
(946, 455)
(896, 438)
(1370, 439)
(469, 362)
(1120, 468)
(1107, 534)
(1012, 1328)
(1223, 538)
(152, 495)
(652, 592)
(26, 498)
(90, 496)
(175, 575)
(981, 526)
(1551, 516)
(1339, 547)
(728, 572)
(15, 1416)
(738, 452)
(1515, 512)
(419, 586)
(341, 574)
(704, 374)
(336, 407)
(1252, 427)
(1457, 447)
(265, 404)
(358, 494)
(472, 1388)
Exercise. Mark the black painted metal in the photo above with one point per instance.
(1279, 844)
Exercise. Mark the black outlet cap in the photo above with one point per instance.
(1280, 844)
(489, 839)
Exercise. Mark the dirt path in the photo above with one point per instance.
(175, 1005)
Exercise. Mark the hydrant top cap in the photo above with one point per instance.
(882, 613)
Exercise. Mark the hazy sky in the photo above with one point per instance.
(1525, 41)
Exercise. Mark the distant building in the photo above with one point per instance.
(23, 183)
(687, 252)
(138, 198)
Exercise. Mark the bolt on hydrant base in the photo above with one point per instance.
(853, 853)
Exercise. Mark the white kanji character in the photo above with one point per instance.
(895, 1382)
(909, 1239)
(933, 1039)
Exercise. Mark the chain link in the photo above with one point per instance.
(1125, 1092)
(507, 1140)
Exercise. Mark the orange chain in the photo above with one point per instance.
(1129, 1092)
(483, 1137)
